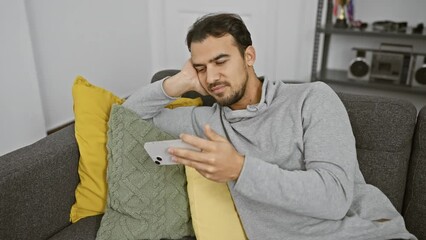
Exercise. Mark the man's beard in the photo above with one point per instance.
(234, 97)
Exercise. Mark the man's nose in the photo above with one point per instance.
(212, 75)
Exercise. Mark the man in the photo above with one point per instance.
(287, 151)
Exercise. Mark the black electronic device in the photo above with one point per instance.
(419, 74)
(418, 29)
(359, 68)
(389, 26)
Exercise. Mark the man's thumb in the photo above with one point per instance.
(211, 134)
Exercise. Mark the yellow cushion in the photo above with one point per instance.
(212, 209)
(185, 102)
(92, 107)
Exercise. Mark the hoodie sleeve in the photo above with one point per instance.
(149, 102)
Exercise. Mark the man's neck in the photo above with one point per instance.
(252, 95)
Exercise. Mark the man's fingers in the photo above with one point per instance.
(190, 155)
(201, 143)
(195, 141)
(199, 166)
(204, 169)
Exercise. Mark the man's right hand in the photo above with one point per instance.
(184, 81)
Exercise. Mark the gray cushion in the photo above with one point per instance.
(415, 201)
(383, 128)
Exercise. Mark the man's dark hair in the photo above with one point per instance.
(218, 25)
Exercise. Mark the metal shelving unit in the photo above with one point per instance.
(370, 33)
(340, 76)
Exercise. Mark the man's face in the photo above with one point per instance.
(221, 69)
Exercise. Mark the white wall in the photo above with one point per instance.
(21, 114)
(295, 27)
(178, 16)
(106, 41)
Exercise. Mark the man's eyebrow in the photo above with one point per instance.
(222, 55)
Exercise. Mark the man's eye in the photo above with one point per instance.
(220, 62)
(200, 70)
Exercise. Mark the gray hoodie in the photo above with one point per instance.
(300, 178)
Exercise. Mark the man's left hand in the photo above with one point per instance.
(218, 160)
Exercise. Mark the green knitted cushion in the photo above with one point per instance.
(145, 201)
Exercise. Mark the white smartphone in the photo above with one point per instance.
(157, 150)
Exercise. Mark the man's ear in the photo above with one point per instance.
(250, 55)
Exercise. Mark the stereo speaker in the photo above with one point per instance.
(419, 74)
(359, 68)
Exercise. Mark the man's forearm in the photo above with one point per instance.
(149, 100)
(321, 193)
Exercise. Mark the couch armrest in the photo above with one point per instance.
(37, 185)
(415, 197)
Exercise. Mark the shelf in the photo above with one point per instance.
(370, 33)
(340, 77)
(389, 51)
(324, 32)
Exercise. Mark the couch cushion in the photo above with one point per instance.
(213, 213)
(383, 129)
(92, 106)
(145, 201)
(415, 200)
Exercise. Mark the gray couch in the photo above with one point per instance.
(37, 182)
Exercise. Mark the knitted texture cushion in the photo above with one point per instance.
(145, 201)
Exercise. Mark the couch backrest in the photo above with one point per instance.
(37, 187)
(383, 128)
(415, 197)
